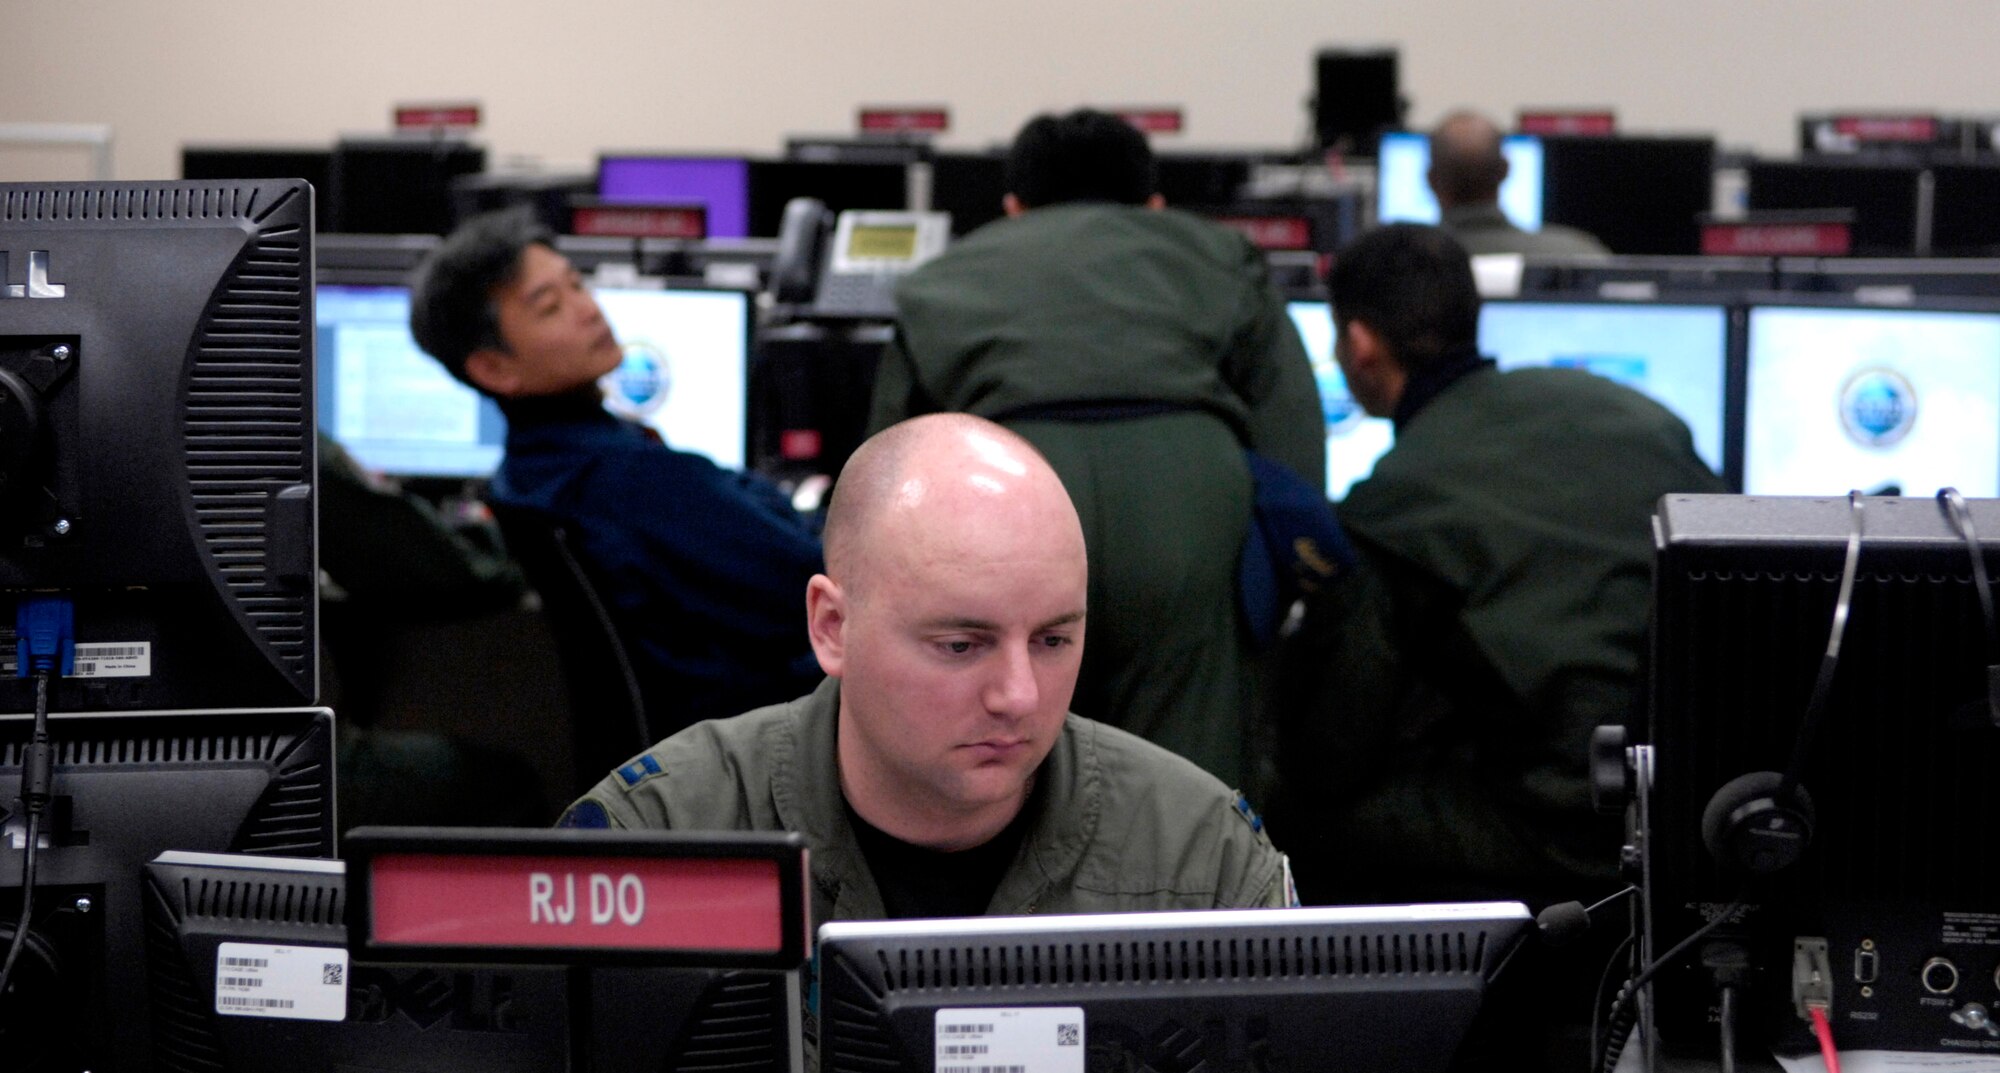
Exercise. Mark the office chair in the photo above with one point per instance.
(607, 709)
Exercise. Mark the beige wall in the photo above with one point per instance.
(562, 80)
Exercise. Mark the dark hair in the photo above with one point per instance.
(1413, 285)
(451, 293)
(1083, 156)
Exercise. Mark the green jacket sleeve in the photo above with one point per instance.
(1268, 369)
(897, 396)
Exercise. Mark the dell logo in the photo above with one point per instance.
(38, 285)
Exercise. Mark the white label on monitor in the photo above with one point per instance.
(1022, 1039)
(298, 983)
(114, 659)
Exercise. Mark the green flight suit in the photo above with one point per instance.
(1123, 825)
(1437, 705)
(1140, 351)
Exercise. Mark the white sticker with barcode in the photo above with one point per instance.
(1017, 1039)
(299, 983)
(125, 659)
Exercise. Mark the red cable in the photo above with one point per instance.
(1825, 1033)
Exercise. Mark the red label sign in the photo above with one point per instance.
(1594, 124)
(1272, 232)
(1752, 239)
(933, 120)
(640, 221)
(799, 444)
(1887, 128)
(1154, 120)
(433, 116)
(603, 903)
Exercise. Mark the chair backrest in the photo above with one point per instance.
(607, 710)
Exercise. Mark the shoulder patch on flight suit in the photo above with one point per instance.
(1243, 809)
(640, 770)
(585, 814)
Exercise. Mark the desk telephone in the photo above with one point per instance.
(847, 265)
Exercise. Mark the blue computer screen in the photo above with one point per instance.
(1403, 192)
(720, 183)
(397, 411)
(1353, 439)
(1840, 399)
(1678, 354)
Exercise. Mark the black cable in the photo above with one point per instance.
(1727, 1061)
(1960, 516)
(34, 796)
(1830, 661)
(1628, 996)
(1604, 980)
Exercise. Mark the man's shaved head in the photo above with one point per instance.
(1467, 166)
(910, 465)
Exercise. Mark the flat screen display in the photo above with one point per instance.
(1354, 440)
(1677, 354)
(1874, 399)
(397, 411)
(1403, 192)
(719, 184)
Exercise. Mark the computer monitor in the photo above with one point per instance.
(970, 187)
(1963, 223)
(1202, 180)
(1328, 989)
(1882, 195)
(1403, 190)
(687, 354)
(396, 186)
(313, 163)
(1893, 280)
(126, 788)
(1893, 901)
(1676, 354)
(156, 438)
(1636, 195)
(1896, 400)
(839, 186)
(249, 971)
(721, 184)
(1354, 440)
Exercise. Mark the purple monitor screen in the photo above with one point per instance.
(721, 183)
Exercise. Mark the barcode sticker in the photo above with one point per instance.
(124, 659)
(301, 983)
(1026, 1039)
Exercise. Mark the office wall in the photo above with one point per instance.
(561, 80)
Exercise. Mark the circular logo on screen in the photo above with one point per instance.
(1877, 407)
(640, 383)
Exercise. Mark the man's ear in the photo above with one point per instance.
(1366, 349)
(1012, 205)
(1157, 202)
(826, 623)
(494, 371)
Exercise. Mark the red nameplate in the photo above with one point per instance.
(930, 120)
(1598, 124)
(1154, 120)
(434, 116)
(640, 221)
(799, 444)
(1887, 128)
(1271, 232)
(1777, 238)
(568, 896)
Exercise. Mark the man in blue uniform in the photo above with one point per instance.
(702, 567)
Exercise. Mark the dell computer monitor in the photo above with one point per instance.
(156, 438)
(1354, 440)
(1882, 194)
(687, 353)
(1403, 189)
(1885, 400)
(1635, 195)
(720, 184)
(1308, 990)
(839, 185)
(127, 787)
(1676, 354)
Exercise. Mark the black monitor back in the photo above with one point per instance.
(312, 163)
(393, 186)
(839, 186)
(1965, 209)
(1746, 589)
(1637, 195)
(1881, 194)
(970, 187)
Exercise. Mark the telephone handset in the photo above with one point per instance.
(853, 273)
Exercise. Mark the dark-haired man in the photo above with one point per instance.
(937, 772)
(702, 567)
(1141, 350)
(1436, 707)
(1467, 168)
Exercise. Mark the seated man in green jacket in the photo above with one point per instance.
(937, 772)
(1436, 706)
